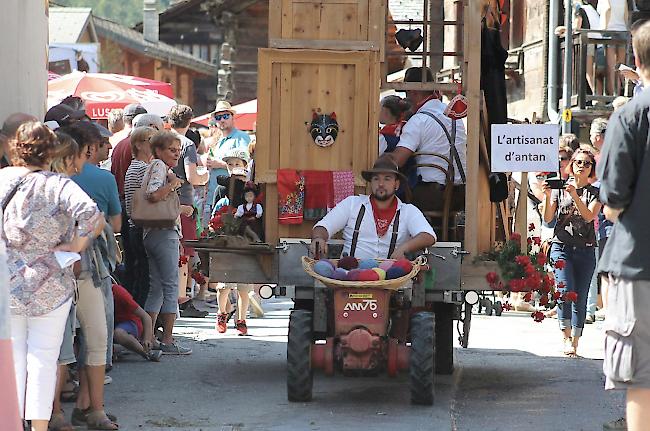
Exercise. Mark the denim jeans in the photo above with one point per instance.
(163, 252)
(592, 298)
(580, 263)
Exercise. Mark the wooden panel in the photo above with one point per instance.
(349, 20)
(294, 84)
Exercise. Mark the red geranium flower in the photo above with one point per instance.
(506, 306)
(531, 227)
(561, 285)
(516, 285)
(543, 300)
(541, 259)
(529, 241)
(182, 260)
(570, 297)
(537, 240)
(556, 295)
(533, 282)
(538, 316)
(492, 277)
(528, 297)
(198, 277)
(204, 233)
(559, 264)
(515, 236)
(530, 269)
(522, 260)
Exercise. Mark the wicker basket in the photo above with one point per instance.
(394, 284)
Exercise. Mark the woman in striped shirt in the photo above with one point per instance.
(137, 267)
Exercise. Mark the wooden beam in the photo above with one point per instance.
(472, 81)
(335, 45)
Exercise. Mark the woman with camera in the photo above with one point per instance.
(570, 208)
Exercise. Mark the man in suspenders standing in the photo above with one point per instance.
(429, 130)
(379, 225)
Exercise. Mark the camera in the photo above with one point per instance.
(556, 184)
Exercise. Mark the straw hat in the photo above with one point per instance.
(223, 106)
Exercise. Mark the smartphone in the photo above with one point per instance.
(556, 184)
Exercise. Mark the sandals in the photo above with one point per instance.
(80, 417)
(569, 349)
(58, 423)
(69, 395)
(98, 420)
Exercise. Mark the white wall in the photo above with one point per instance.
(23, 57)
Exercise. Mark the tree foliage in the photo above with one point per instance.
(127, 12)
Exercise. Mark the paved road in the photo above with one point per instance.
(512, 377)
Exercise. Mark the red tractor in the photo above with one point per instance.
(369, 331)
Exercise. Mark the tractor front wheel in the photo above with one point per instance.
(300, 377)
(422, 358)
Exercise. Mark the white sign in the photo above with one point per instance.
(525, 147)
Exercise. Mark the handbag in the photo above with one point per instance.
(162, 214)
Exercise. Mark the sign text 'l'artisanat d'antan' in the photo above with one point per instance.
(525, 147)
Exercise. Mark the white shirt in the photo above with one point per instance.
(617, 9)
(422, 133)
(594, 20)
(370, 246)
(247, 207)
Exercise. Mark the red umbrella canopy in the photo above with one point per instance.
(245, 116)
(103, 92)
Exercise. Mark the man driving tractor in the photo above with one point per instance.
(379, 225)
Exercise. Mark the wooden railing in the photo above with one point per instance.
(588, 43)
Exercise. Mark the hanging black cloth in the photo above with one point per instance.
(493, 84)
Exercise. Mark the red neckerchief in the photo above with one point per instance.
(394, 129)
(383, 217)
(435, 95)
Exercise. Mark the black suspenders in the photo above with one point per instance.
(355, 235)
(393, 239)
(357, 226)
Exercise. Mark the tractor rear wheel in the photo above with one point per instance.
(422, 358)
(300, 377)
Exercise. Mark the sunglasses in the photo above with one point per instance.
(582, 163)
(222, 116)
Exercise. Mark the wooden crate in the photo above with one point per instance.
(328, 24)
(292, 85)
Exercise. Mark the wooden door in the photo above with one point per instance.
(293, 84)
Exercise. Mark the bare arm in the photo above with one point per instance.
(193, 177)
(586, 212)
(612, 214)
(147, 328)
(116, 222)
(418, 242)
(549, 207)
(401, 155)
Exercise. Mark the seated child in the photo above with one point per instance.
(133, 327)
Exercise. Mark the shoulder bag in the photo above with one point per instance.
(162, 214)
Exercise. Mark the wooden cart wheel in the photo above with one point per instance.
(422, 358)
(300, 376)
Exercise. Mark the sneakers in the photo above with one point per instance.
(191, 311)
(174, 349)
(222, 320)
(590, 319)
(107, 379)
(154, 355)
(619, 424)
(241, 327)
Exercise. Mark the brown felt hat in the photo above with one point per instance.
(383, 165)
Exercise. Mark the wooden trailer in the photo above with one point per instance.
(329, 56)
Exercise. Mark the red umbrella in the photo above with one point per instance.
(103, 92)
(245, 116)
(52, 75)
